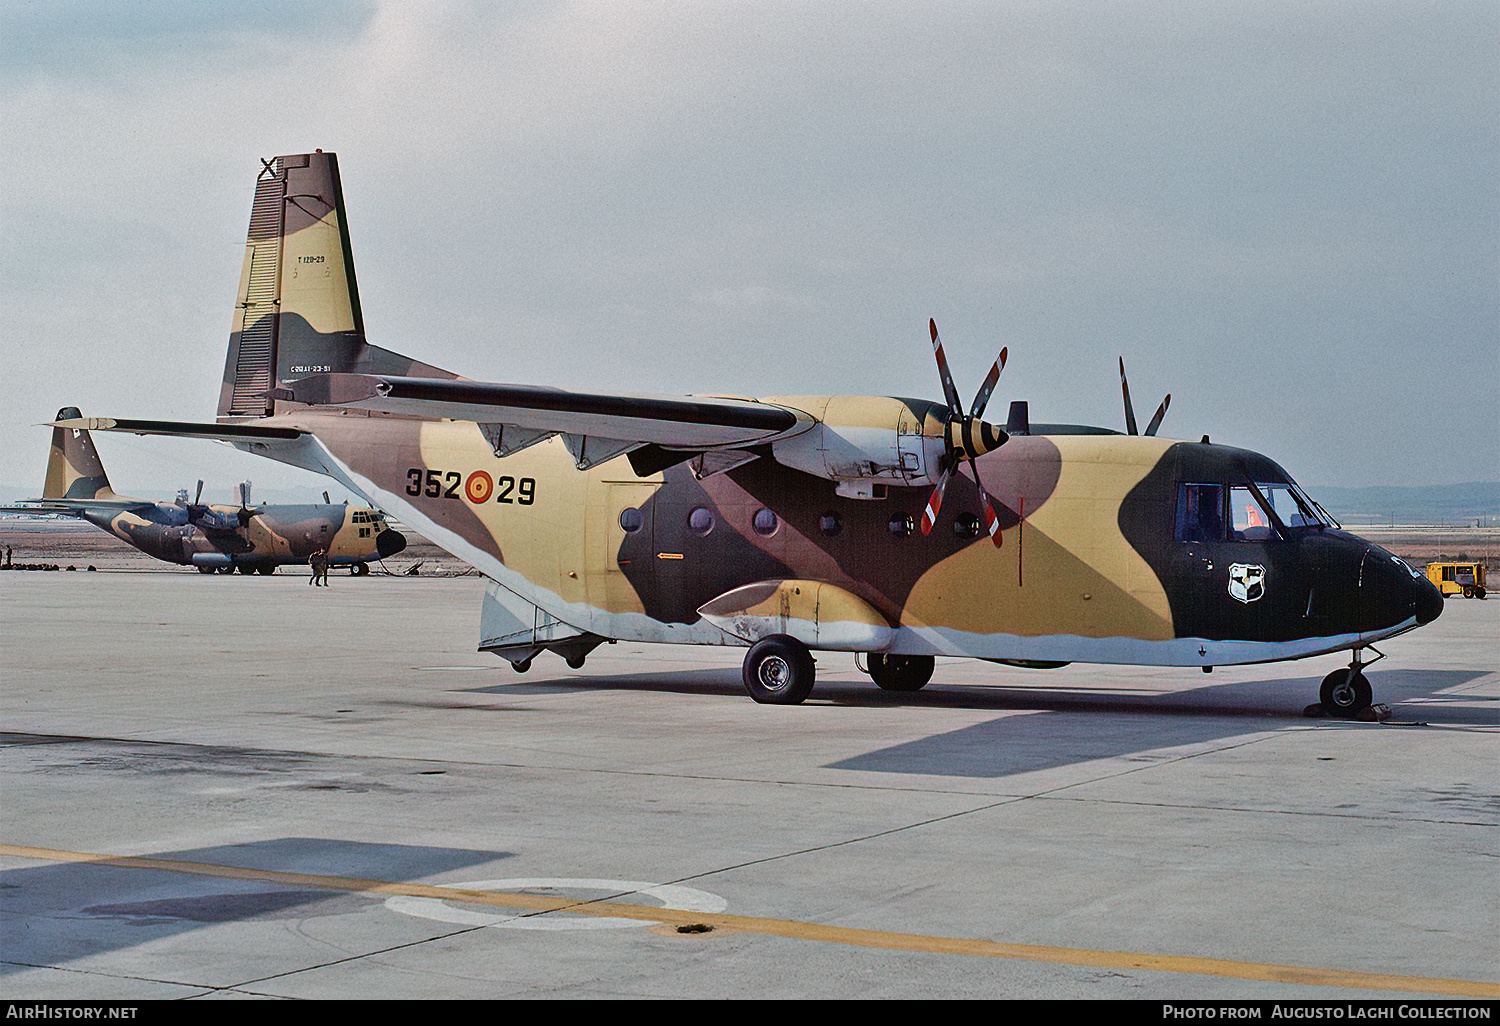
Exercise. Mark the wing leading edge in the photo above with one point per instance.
(687, 422)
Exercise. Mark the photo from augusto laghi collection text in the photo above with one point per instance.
(1481, 1010)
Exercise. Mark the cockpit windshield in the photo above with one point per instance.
(1242, 511)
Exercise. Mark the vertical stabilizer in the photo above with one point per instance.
(298, 310)
(74, 470)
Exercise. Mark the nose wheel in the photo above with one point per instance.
(1345, 692)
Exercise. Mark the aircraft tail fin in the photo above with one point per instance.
(74, 470)
(298, 309)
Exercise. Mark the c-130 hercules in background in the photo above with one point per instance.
(899, 528)
(212, 538)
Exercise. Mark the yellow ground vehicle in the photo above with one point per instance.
(1466, 579)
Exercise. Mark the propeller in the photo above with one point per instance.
(196, 509)
(245, 513)
(1130, 425)
(965, 438)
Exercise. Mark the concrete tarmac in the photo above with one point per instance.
(233, 786)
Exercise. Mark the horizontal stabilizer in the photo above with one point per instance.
(286, 444)
(77, 507)
(181, 429)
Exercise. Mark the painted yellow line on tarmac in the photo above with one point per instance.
(794, 929)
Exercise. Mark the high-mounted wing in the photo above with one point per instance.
(685, 423)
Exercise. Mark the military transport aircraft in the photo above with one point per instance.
(899, 529)
(211, 538)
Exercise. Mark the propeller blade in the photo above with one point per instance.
(935, 502)
(991, 519)
(1161, 411)
(950, 393)
(982, 397)
(198, 498)
(1130, 428)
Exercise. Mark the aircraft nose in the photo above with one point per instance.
(1429, 601)
(388, 543)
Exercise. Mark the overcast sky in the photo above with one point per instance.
(1285, 214)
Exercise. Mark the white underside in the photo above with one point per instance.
(933, 641)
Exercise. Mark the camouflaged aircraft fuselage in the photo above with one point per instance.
(728, 521)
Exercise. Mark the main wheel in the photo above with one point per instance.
(1468, 591)
(1345, 693)
(1479, 591)
(205, 569)
(900, 672)
(266, 569)
(779, 670)
(359, 569)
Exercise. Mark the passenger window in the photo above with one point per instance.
(1200, 513)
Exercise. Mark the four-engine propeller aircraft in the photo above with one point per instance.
(899, 528)
(210, 537)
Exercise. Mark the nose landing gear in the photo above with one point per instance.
(1345, 693)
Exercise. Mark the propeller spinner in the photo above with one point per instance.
(965, 438)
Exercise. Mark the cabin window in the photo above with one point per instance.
(1200, 513)
(764, 522)
(966, 525)
(631, 520)
(701, 521)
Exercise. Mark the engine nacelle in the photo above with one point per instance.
(860, 441)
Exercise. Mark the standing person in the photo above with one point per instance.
(319, 563)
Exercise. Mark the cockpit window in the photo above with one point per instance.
(1200, 513)
(1294, 509)
(1239, 512)
(1248, 519)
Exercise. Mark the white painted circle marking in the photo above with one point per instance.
(673, 896)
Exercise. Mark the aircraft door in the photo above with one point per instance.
(619, 536)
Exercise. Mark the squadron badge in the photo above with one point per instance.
(1247, 581)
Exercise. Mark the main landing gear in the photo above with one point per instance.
(900, 672)
(779, 670)
(1345, 693)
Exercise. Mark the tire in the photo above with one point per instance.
(266, 571)
(899, 672)
(205, 569)
(1345, 693)
(1479, 592)
(1468, 592)
(359, 569)
(779, 671)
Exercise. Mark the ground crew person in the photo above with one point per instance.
(319, 563)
